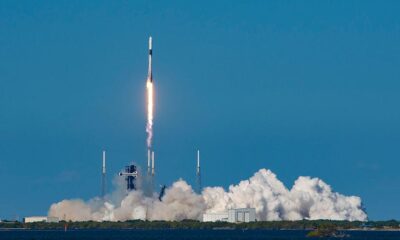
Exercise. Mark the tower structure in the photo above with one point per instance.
(198, 173)
(130, 175)
(152, 164)
(103, 176)
(148, 162)
(152, 173)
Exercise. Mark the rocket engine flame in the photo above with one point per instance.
(150, 107)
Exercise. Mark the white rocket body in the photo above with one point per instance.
(150, 73)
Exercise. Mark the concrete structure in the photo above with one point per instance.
(242, 215)
(53, 219)
(215, 217)
(40, 219)
(232, 215)
(35, 219)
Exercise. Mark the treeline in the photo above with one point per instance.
(192, 224)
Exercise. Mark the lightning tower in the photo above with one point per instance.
(103, 176)
(198, 173)
(152, 164)
(148, 163)
(152, 174)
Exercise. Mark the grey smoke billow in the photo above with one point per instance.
(309, 198)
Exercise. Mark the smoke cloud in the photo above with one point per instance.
(309, 198)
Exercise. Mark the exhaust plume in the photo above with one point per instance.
(309, 198)
(149, 126)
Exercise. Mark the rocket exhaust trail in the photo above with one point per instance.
(150, 96)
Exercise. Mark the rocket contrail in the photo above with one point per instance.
(150, 103)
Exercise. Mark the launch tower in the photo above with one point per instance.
(130, 175)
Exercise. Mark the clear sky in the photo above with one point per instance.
(299, 87)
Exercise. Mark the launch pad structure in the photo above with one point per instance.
(130, 175)
(150, 170)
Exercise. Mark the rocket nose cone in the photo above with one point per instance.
(150, 42)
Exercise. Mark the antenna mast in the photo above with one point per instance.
(103, 176)
(198, 173)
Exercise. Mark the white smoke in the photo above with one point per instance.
(309, 198)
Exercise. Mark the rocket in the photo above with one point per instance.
(150, 73)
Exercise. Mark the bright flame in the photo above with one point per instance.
(149, 127)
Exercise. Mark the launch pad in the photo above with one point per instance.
(130, 175)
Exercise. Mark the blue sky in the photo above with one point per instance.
(299, 87)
